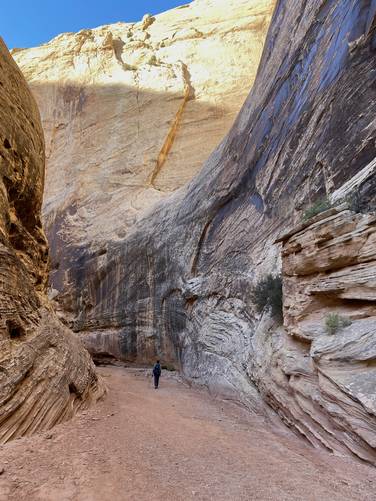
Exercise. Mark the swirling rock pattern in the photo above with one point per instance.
(45, 373)
(179, 284)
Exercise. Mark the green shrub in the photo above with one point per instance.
(319, 206)
(153, 61)
(267, 293)
(335, 322)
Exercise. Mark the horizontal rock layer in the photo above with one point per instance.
(45, 373)
(321, 381)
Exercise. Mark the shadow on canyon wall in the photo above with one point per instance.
(45, 374)
(81, 198)
(305, 129)
(177, 285)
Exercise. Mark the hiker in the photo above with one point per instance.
(156, 373)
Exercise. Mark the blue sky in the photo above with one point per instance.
(27, 23)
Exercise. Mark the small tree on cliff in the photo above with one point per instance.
(267, 294)
(335, 322)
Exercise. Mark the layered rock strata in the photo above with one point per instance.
(321, 380)
(130, 111)
(179, 285)
(45, 373)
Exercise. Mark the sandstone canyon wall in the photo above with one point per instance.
(130, 112)
(178, 284)
(320, 380)
(45, 373)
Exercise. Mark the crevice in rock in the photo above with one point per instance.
(198, 249)
(15, 330)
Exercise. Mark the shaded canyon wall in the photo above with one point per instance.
(45, 373)
(179, 284)
(321, 380)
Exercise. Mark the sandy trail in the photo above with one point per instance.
(174, 444)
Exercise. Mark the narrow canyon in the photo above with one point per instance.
(209, 201)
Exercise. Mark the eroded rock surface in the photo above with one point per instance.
(130, 113)
(45, 374)
(321, 381)
(179, 284)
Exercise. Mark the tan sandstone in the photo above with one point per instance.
(323, 381)
(130, 112)
(178, 285)
(45, 374)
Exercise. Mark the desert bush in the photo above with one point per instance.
(168, 367)
(319, 206)
(267, 294)
(335, 322)
(153, 61)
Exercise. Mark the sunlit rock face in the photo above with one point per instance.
(45, 373)
(130, 112)
(179, 284)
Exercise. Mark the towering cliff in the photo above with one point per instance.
(45, 374)
(179, 283)
(130, 112)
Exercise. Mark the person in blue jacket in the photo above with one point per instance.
(157, 373)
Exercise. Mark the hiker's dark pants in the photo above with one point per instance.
(156, 380)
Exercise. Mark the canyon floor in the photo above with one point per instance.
(176, 443)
